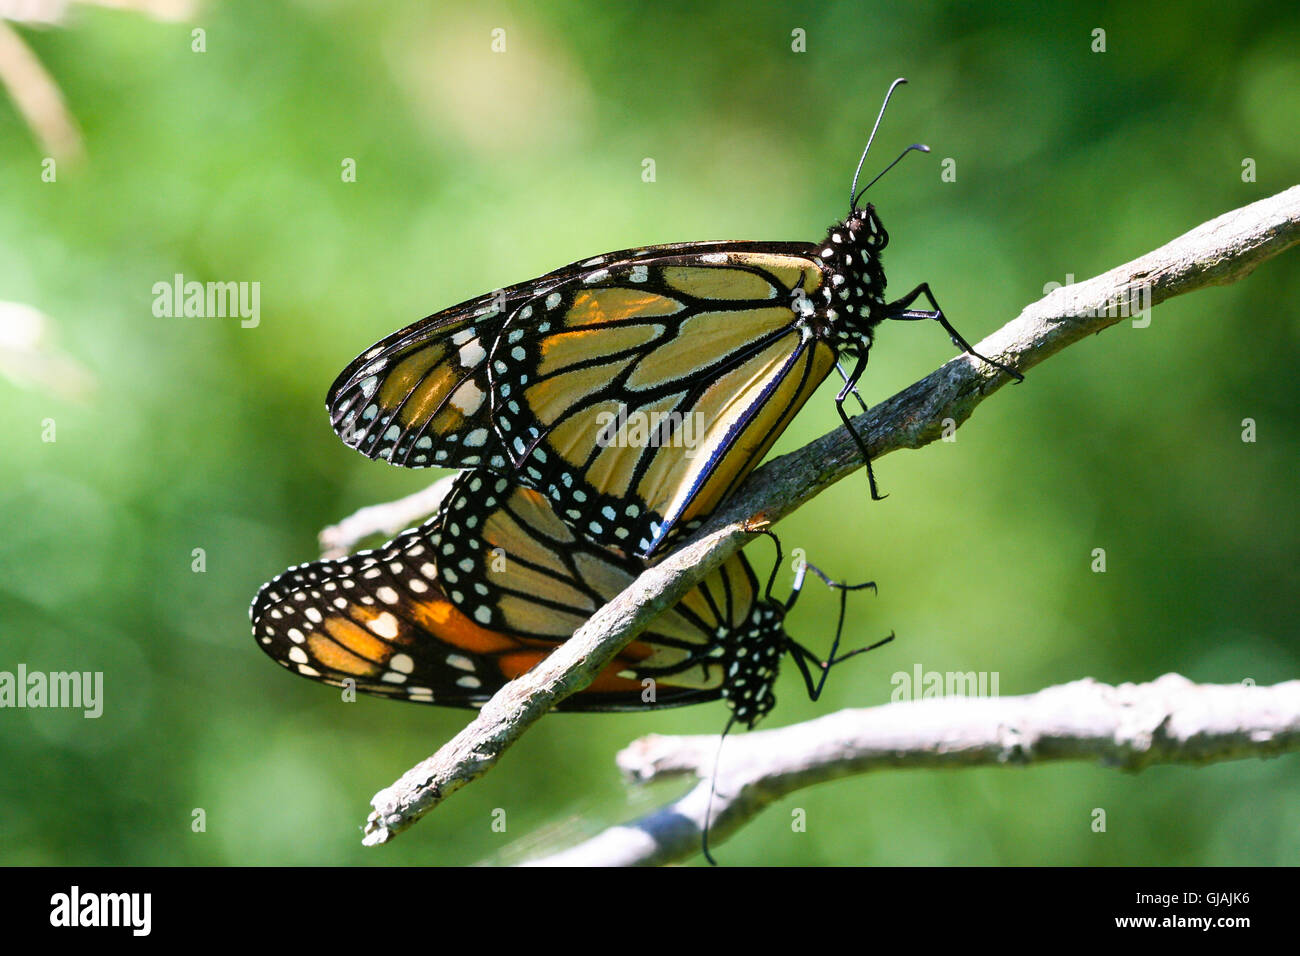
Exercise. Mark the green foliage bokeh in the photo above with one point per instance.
(478, 169)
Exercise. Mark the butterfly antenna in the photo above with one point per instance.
(853, 190)
(919, 147)
(713, 788)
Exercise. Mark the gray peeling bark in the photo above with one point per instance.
(1132, 726)
(1215, 253)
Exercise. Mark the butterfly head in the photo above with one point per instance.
(865, 232)
(751, 661)
(854, 293)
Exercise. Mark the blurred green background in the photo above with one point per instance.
(478, 169)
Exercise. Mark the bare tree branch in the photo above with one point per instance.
(1130, 727)
(34, 92)
(1214, 253)
(388, 518)
(38, 97)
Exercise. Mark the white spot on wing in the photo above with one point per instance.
(468, 398)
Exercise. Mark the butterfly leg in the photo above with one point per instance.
(776, 568)
(803, 657)
(902, 311)
(853, 388)
(850, 384)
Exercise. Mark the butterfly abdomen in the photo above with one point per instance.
(753, 659)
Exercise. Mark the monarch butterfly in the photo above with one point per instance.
(636, 389)
(427, 618)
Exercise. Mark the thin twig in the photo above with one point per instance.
(1130, 727)
(38, 97)
(34, 91)
(388, 518)
(1214, 253)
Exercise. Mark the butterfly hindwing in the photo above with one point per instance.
(417, 397)
(650, 389)
(519, 570)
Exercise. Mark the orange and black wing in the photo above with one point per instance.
(418, 397)
(448, 612)
(512, 566)
(652, 389)
(380, 620)
(635, 390)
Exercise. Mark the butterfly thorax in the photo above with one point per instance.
(852, 299)
(751, 657)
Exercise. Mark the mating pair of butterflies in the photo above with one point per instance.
(529, 389)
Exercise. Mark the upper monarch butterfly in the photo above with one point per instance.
(708, 348)
(430, 617)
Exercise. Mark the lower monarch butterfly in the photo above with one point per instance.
(635, 389)
(430, 617)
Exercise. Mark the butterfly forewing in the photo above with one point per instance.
(448, 612)
(635, 390)
(380, 620)
(420, 397)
